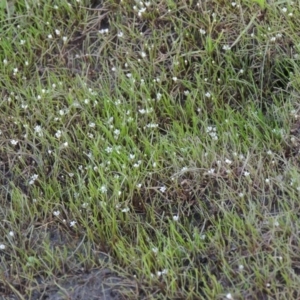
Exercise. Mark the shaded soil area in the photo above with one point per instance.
(96, 283)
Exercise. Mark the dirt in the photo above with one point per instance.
(97, 284)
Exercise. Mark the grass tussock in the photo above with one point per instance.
(149, 150)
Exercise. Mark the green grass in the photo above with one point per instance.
(164, 151)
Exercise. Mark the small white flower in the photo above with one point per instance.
(202, 31)
(241, 195)
(89, 155)
(56, 213)
(226, 47)
(104, 31)
(73, 223)
(5, 61)
(208, 94)
(233, 4)
(214, 136)
(33, 178)
(246, 174)
(14, 142)
(228, 161)
(151, 125)
(128, 75)
(58, 134)
(155, 250)
(109, 149)
(2, 246)
(11, 234)
(160, 273)
(50, 36)
(64, 38)
(120, 34)
(241, 267)
(117, 102)
(229, 296)
(141, 11)
(38, 129)
(211, 171)
(267, 180)
(269, 152)
(175, 78)
(163, 189)
(57, 32)
(143, 54)
(175, 218)
(284, 9)
(158, 96)
(92, 125)
(103, 189)
(125, 210)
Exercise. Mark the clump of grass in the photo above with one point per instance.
(156, 143)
